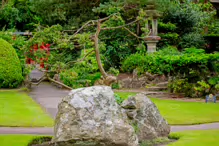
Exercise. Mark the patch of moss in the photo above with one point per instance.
(135, 126)
(39, 140)
(154, 142)
(174, 136)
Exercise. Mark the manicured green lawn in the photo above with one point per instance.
(196, 138)
(179, 112)
(15, 140)
(184, 113)
(18, 109)
(188, 138)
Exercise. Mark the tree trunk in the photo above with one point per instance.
(107, 79)
(97, 51)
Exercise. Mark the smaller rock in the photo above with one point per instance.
(145, 118)
(149, 76)
(126, 83)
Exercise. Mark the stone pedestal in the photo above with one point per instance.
(151, 42)
(151, 46)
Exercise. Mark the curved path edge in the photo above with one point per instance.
(49, 131)
(24, 130)
(209, 126)
(49, 96)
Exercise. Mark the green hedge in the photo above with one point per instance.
(10, 67)
(193, 72)
(171, 61)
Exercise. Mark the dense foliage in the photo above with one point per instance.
(187, 23)
(10, 68)
(71, 54)
(188, 68)
(170, 61)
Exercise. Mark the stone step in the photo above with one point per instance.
(163, 94)
(162, 84)
(155, 93)
(156, 88)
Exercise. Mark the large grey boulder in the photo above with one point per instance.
(92, 116)
(145, 118)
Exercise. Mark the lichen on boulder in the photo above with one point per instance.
(145, 118)
(92, 115)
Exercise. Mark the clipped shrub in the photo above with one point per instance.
(187, 68)
(10, 67)
(16, 41)
(168, 39)
(174, 62)
(193, 51)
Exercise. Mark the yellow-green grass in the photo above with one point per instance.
(18, 109)
(196, 138)
(184, 113)
(16, 140)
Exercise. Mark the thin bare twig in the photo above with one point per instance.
(40, 80)
(135, 35)
(82, 27)
(59, 83)
(117, 27)
(93, 23)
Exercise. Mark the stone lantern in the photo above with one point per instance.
(152, 15)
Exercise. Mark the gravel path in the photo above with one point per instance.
(48, 96)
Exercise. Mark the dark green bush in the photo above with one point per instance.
(39, 140)
(192, 40)
(188, 16)
(10, 67)
(168, 39)
(189, 20)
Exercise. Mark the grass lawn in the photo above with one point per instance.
(184, 113)
(15, 140)
(196, 138)
(188, 138)
(18, 109)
